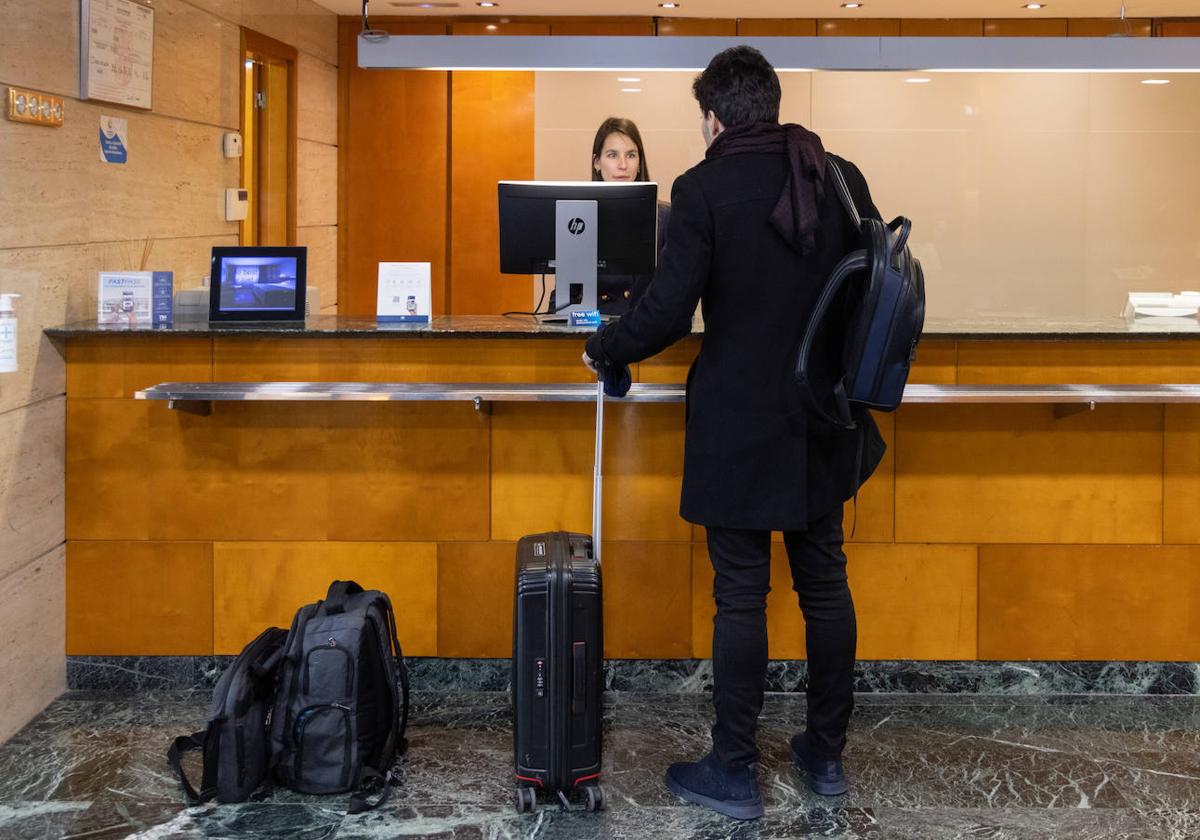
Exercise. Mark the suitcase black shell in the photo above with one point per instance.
(558, 644)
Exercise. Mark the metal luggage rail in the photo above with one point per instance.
(198, 397)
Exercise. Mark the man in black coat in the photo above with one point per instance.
(755, 231)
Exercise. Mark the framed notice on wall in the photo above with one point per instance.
(116, 51)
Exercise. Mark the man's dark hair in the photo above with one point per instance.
(739, 86)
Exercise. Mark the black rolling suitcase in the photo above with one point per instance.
(558, 649)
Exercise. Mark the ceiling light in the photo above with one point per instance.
(631, 90)
(852, 5)
(491, 27)
(1034, 6)
(918, 80)
(668, 5)
(1156, 81)
(627, 79)
(487, 4)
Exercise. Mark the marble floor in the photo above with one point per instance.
(923, 767)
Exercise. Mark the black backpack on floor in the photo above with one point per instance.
(324, 706)
(882, 319)
(235, 744)
(339, 717)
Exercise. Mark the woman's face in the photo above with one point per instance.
(618, 160)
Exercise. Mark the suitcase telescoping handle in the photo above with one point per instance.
(598, 478)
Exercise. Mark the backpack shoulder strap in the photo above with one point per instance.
(206, 741)
(843, 190)
(857, 261)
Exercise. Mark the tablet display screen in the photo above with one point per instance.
(258, 283)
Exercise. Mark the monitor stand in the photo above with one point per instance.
(575, 255)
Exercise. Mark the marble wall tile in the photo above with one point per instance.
(317, 184)
(32, 640)
(317, 118)
(32, 492)
(59, 191)
(228, 10)
(58, 286)
(196, 74)
(322, 260)
(316, 31)
(39, 46)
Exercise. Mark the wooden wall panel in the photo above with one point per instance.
(140, 599)
(912, 602)
(119, 365)
(863, 28)
(697, 26)
(1089, 602)
(941, 28)
(393, 163)
(262, 471)
(1177, 28)
(416, 471)
(1103, 27)
(476, 581)
(775, 27)
(640, 26)
(391, 360)
(1181, 474)
(670, 367)
(542, 469)
(1015, 28)
(256, 585)
(936, 363)
(498, 27)
(491, 140)
(1016, 474)
(1078, 362)
(647, 600)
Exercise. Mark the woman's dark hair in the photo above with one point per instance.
(739, 86)
(619, 125)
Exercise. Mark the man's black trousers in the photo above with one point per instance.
(741, 561)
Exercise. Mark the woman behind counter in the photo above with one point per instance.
(618, 155)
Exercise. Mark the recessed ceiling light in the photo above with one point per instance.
(491, 27)
(627, 79)
(631, 90)
(1034, 6)
(488, 5)
(668, 5)
(918, 80)
(1156, 81)
(852, 5)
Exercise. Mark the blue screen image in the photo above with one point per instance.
(266, 284)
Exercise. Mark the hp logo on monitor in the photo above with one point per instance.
(576, 226)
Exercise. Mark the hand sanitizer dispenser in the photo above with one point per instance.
(8, 334)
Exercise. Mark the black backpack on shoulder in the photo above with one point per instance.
(883, 316)
(339, 717)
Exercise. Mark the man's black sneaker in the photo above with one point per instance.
(732, 791)
(825, 775)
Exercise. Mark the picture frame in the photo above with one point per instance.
(116, 52)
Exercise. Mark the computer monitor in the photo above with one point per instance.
(576, 230)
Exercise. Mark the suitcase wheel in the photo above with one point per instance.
(525, 799)
(596, 799)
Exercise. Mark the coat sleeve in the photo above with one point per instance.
(664, 314)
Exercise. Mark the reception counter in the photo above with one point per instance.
(992, 531)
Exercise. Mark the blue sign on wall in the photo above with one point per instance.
(113, 145)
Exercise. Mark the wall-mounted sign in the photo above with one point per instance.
(114, 139)
(116, 51)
